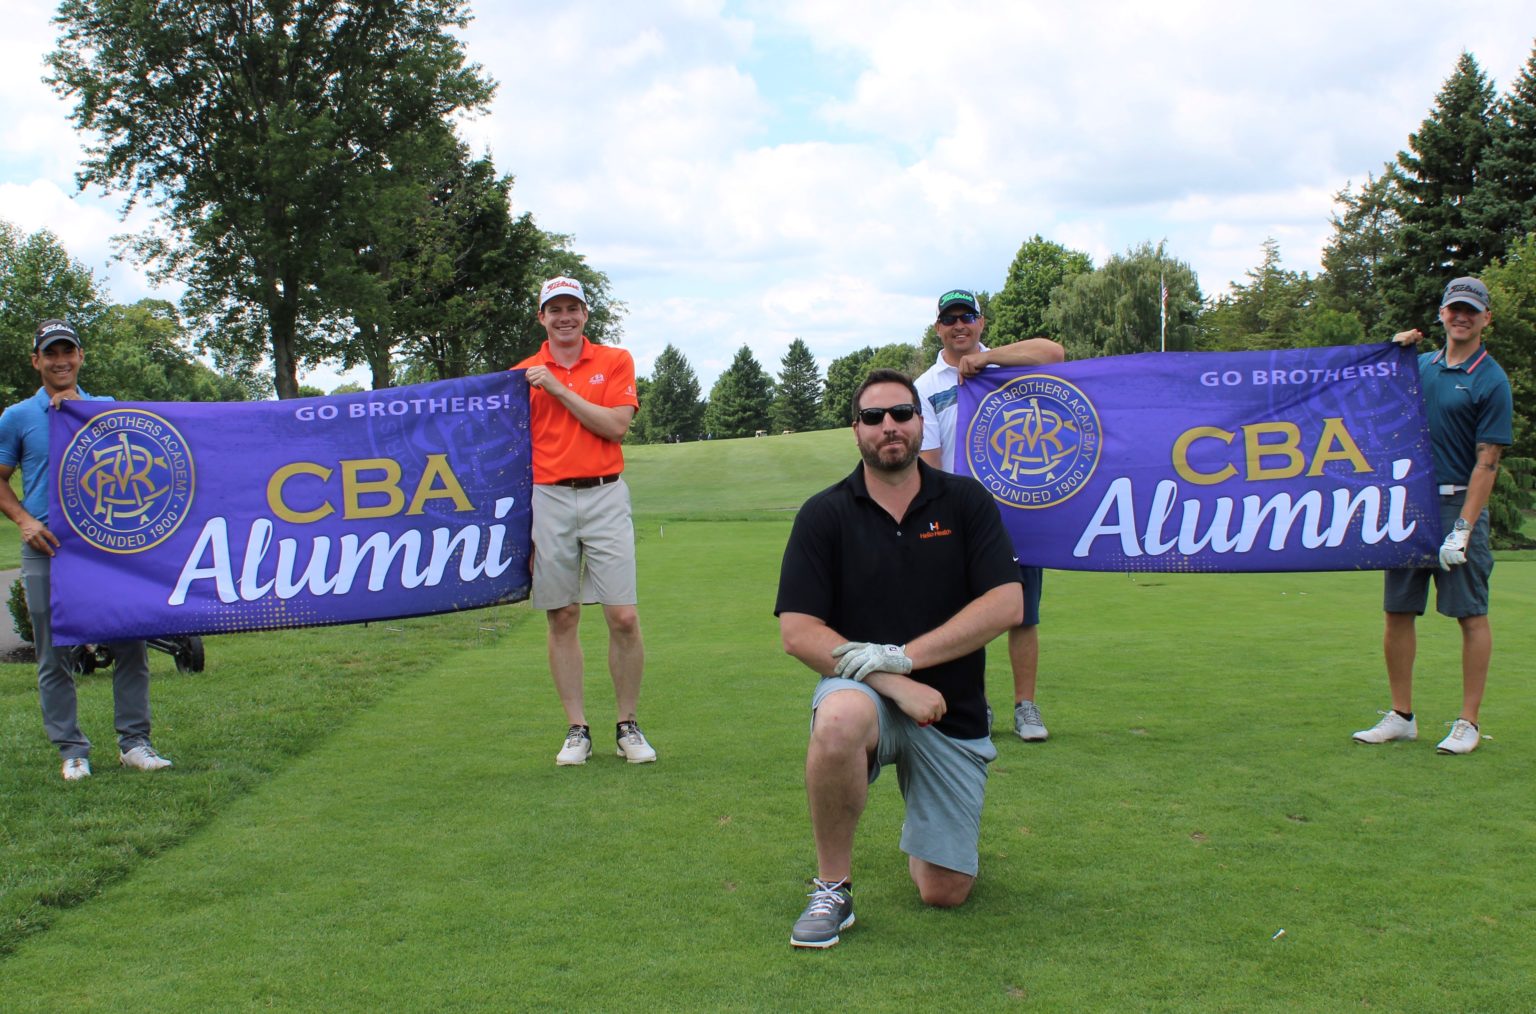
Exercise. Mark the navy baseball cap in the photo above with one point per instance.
(51, 332)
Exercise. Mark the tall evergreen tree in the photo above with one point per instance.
(1503, 207)
(1364, 236)
(671, 409)
(1268, 312)
(1434, 180)
(741, 399)
(1040, 266)
(797, 402)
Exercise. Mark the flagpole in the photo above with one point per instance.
(1162, 313)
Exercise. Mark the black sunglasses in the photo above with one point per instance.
(950, 319)
(875, 416)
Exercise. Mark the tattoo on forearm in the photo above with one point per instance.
(1488, 457)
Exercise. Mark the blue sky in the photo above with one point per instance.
(748, 173)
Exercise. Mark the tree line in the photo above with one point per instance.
(1459, 199)
(319, 207)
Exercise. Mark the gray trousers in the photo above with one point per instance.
(56, 684)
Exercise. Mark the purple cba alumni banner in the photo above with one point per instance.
(1306, 459)
(186, 518)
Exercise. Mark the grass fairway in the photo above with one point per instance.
(413, 847)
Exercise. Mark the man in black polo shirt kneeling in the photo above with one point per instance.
(893, 582)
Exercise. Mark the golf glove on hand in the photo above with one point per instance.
(857, 659)
(1453, 551)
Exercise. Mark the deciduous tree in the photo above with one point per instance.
(844, 375)
(38, 280)
(459, 291)
(1511, 336)
(1114, 310)
(1038, 269)
(260, 130)
(139, 353)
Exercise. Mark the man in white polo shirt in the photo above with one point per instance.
(959, 324)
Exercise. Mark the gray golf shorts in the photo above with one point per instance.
(583, 546)
(942, 780)
(1459, 592)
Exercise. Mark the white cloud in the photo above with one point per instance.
(900, 148)
(85, 225)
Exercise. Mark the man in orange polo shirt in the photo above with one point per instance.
(581, 401)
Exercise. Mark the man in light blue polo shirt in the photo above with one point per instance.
(57, 357)
(1470, 408)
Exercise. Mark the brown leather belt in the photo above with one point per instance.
(596, 480)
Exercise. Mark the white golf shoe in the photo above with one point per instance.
(577, 748)
(144, 758)
(1464, 738)
(1391, 727)
(631, 744)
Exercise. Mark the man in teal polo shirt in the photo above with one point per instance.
(1469, 406)
(57, 356)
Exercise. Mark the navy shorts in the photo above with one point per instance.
(1032, 577)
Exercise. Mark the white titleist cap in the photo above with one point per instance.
(561, 286)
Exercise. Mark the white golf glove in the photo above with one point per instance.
(857, 659)
(1453, 551)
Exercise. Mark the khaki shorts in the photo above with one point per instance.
(583, 546)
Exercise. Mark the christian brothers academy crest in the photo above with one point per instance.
(126, 481)
(1034, 442)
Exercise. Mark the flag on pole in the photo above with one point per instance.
(1162, 313)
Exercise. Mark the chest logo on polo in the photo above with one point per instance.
(126, 480)
(936, 531)
(1035, 441)
(596, 378)
(945, 398)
